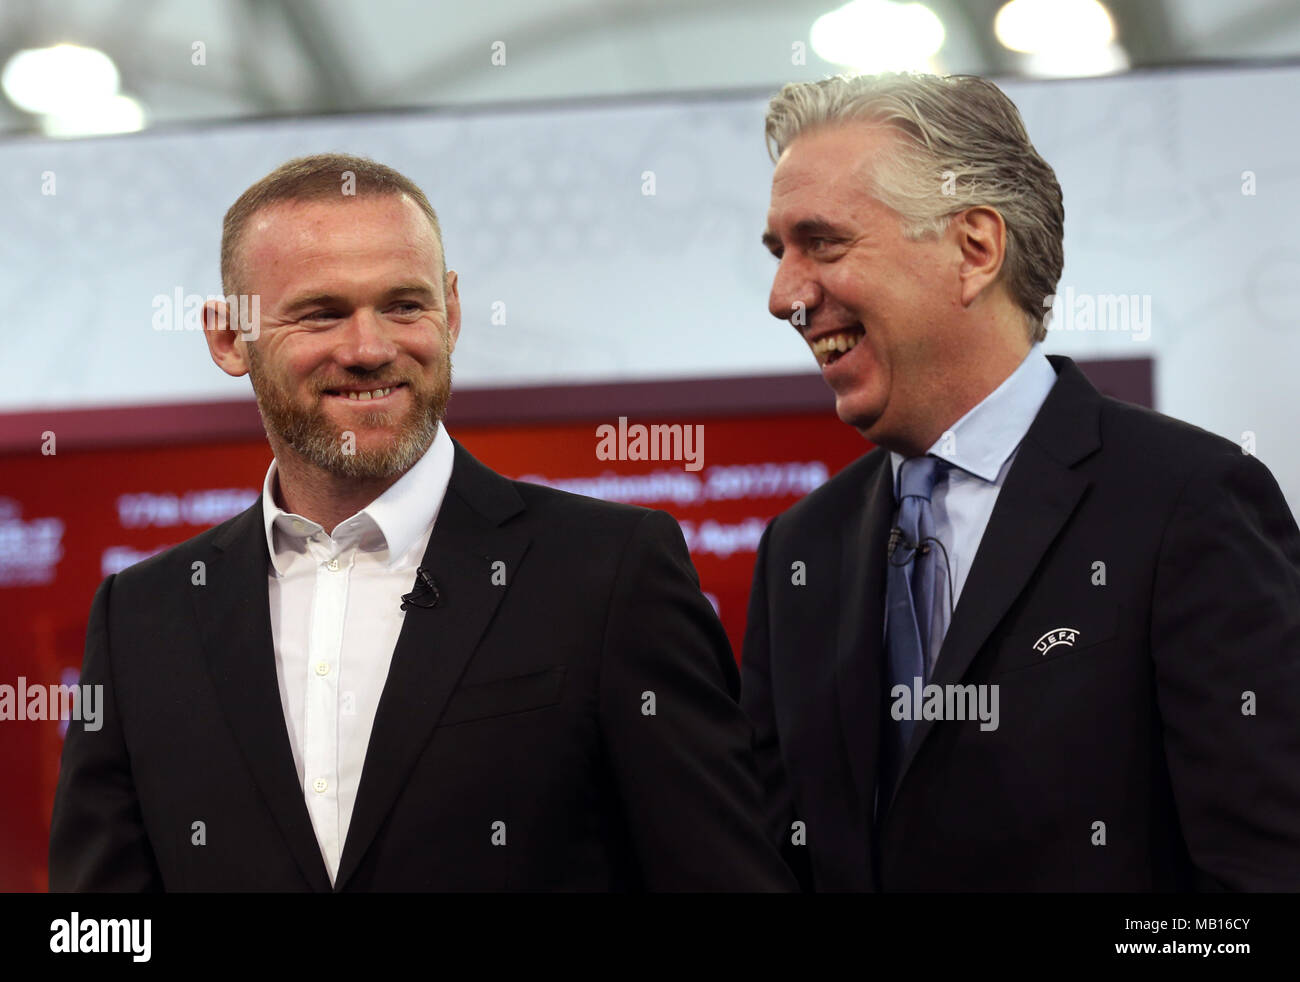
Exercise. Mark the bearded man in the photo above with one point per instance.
(398, 670)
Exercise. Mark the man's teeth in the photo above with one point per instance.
(373, 394)
(835, 342)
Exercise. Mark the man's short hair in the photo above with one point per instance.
(963, 144)
(315, 178)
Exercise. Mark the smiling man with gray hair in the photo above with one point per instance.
(1126, 587)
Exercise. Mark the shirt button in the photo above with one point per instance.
(332, 565)
(299, 526)
(322, 668)
(319, 785)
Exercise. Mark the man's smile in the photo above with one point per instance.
(828, 347)
(367, 395)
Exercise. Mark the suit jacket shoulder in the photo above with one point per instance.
(1155, 442)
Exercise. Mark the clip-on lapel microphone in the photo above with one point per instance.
(425, 594)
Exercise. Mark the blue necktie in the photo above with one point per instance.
(911, 587)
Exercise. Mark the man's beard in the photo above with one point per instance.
(320, 441)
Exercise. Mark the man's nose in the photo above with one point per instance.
(794, 291)
(365, 341)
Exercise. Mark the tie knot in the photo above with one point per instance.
(917, 476)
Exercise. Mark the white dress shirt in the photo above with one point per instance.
(335, 617)
(981, 446)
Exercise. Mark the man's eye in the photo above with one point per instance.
(322, 315)
(407, 307)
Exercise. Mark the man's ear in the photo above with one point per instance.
(982, 238)
(225, 344)
(451, 294)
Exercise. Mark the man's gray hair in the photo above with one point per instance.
(963, 144)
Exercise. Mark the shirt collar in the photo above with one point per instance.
(982, 441)
(402, 514)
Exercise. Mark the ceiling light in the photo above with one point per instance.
(878, 35)
(1033, 26)
(56, 79)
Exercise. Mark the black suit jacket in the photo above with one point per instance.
(1138, 724)
(520, 704)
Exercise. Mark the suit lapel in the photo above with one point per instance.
(1039, 495)
(233, 612)
(860, 636)
(435, 644)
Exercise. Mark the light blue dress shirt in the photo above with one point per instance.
(981, 446)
